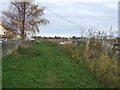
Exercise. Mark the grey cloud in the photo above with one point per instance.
(82, 13)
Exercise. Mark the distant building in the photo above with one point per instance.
(3, 32)
(17, 37)
(6, 34)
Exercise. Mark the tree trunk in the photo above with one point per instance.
(23, 22)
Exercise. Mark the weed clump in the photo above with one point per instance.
(29, 52)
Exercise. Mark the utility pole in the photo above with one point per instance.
(118, 39)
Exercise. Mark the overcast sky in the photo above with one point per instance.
(85, 13)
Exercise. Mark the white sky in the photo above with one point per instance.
(86, 13)
(64, 0)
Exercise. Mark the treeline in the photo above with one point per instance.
(58, 37)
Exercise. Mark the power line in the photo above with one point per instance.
(63, 18)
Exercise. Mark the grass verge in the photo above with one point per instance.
(43, 65)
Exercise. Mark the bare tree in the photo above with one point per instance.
(22, 17)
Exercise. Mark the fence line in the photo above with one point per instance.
(108, 45)
(9, 47)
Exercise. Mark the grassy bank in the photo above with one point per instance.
(43, 65)
(103, 63)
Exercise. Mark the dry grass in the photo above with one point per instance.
(98, 60)
(60, 40)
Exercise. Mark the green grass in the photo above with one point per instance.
(44, 66)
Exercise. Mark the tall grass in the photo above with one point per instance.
(100, 58)
(102, 64)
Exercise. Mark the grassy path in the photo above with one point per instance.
(44, 66)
